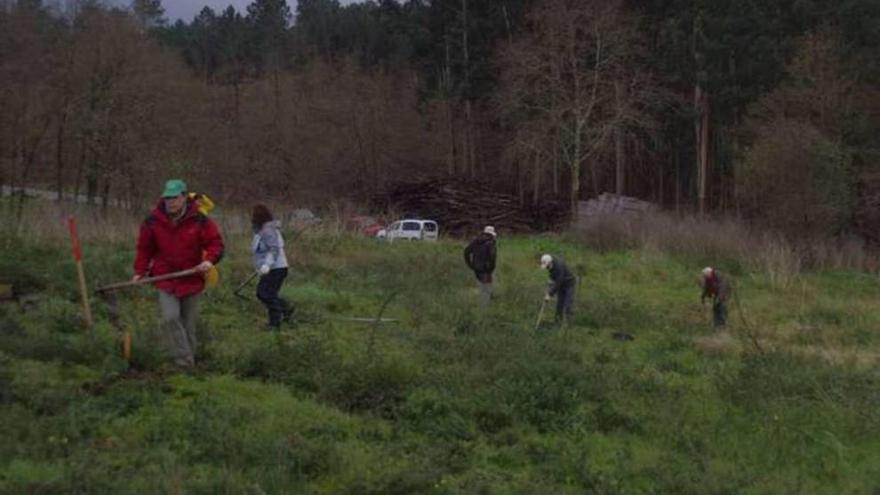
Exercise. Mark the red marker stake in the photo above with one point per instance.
(77, 257)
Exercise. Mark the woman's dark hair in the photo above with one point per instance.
(260, 216)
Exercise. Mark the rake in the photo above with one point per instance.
(237, 291)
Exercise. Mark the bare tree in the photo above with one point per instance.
(26, 98)
(573, 72)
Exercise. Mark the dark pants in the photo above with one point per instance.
(267, 293)
(719, 313)
(565, 302)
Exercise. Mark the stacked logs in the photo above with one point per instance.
(463, 207)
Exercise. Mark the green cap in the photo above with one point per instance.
(174, 188)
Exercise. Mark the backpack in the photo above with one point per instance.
(205, 205)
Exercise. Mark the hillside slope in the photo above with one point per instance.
(449, 399)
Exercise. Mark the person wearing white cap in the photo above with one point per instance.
(715, 286)
(562, 285)
(480, 257)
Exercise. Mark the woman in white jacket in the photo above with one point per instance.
(271, 262)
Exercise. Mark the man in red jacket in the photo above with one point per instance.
(175, 237)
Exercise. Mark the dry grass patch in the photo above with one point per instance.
(721, 343)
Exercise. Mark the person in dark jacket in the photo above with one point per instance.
(562, 286)
(176, 237)
(271, 262)
(480, 257)
(715, 286)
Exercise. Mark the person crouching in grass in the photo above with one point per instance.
(716, 287)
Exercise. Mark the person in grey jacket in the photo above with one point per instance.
(271, 262)
(562, 285)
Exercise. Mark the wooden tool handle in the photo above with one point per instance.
(148, 280)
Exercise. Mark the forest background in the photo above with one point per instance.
(766, 111)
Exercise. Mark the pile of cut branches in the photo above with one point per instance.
(464, 206)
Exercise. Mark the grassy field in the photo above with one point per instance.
(450, 399)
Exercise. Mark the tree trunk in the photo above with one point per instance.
(469, 140)
(555, 172)
(79, 172)
(507, 24)
(468, 128)
(92, 175)
(59, 156)
(661, 197)
(520, 183)
(452, 158)
(701, 110)
(362, 173)
(17, 159)
(620, 157)
(276, 92)
(105, 200)
(575, 184)
(446, 86)
(701, 101)
(28, 155)
(237, 102)
(375, 155)
(536, 191)
(576, 169)
(677, 182)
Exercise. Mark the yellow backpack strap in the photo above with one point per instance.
(205, 205)
(203, 202)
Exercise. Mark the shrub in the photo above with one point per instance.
(374, 385)
(797, 181)
(437, 415)
(726, 243)
(546, 393)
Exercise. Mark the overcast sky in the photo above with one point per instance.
(187, 9)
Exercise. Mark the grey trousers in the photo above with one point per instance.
(485, 293)
(179, 326)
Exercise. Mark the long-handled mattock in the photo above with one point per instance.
(147, 280)
(237, 291)
(109, 295)
(540, 313)
(116, 321)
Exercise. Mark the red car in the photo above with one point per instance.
(366, 225)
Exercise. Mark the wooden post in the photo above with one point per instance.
(77, 257)
(126, 346)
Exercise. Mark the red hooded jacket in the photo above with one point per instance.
(165, 247)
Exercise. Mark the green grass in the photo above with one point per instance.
(450, 399)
